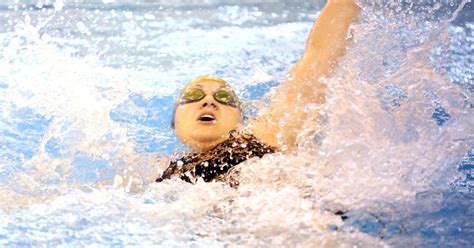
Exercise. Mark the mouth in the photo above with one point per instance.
(207, 118)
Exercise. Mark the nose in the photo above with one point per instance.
(209, 102)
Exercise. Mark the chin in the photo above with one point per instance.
(207, 138)
(208, 135)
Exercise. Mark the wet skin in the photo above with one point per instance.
(279, 126)
(206, 123)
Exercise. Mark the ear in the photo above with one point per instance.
(173, 116)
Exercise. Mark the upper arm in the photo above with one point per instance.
(280, 124)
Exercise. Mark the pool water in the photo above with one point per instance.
(87, 90)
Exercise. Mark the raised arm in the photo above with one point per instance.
(326, 43)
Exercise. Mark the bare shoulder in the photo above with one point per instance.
(264, 130)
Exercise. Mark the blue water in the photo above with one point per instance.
(87, 91)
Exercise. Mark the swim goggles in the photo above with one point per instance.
(224, 95)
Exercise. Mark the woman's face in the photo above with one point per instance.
(205, 123)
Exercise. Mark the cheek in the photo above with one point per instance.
(183, 117)
(234, 117)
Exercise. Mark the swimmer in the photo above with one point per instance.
(208, 114)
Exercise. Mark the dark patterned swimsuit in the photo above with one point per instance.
(216, 163)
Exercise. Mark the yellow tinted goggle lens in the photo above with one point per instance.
(192, 95)
(224, 97)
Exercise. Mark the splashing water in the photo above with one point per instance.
(86, 96)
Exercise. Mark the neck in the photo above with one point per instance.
(205, 146)
(205, 143)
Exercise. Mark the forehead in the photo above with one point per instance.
(207, 79)
(207, 86)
